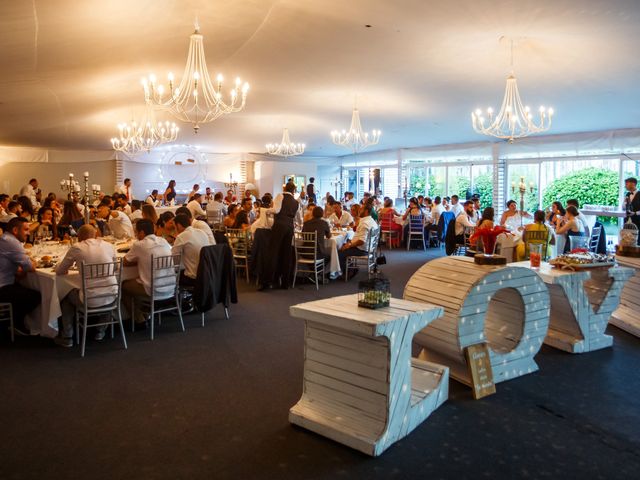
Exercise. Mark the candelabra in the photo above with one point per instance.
(70, 186)
(522, 189)
(231, 184)
(95, 191)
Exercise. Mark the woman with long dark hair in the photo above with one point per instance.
(170, 192)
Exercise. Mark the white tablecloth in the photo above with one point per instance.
(53, 288)
(507, 244)
(334, 244)
(161, 210)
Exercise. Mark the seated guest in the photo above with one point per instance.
(357, 246)
(436, 210)
(136, 212)
(217, 205)
(152, 199)
(556, 215)
(581, 217)
(208, 196)
(71, 218)
(195, 207)
(243, 219)
(197, 224)
(456, 208)
(355, 214)
(141, 254)
(339, 217)
(522, 250)
(328, 202)
(12, 211)
(303, 199)
(486, 221)
(90, 250)
(321, 227)
(193, 193)
(52, 203)
(149, 213)
(165, 227)
(123, 205)
(230, 197)
(572, 227)
(464, 220)
(118, 222)
(349, 201)
(264, 218)
(14, 263)
(4, 203)
(511, 217)
(44, 226)
(26, 208)
(389, 222)
(188, 243)
(230, 219)
(476, 208)
(308, 212)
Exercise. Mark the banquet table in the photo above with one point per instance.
(161, 210)
(53, 288)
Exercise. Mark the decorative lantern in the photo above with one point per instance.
(374, 292)
(628, 236)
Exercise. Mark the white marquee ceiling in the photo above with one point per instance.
(71, 69)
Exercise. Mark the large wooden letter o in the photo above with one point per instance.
(505, 307)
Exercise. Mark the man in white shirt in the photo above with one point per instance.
(357, 246)
(126, 189)
(136, 211)
(30, 191)
(152, 199)
(90, 250)
(208, 195)
(197, 224)
(455, 207)
(340, 217)
(195, 207)
(4, 203)
(12, 211)
(217, 205)
(464, 220)
(193, 192)
(349, 200)
(141, 254)
(118, 222)
(123, 205)
(188, 243)
(437, 210)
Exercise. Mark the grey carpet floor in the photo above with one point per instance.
(212, 403)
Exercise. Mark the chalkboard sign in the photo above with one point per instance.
(480, 371)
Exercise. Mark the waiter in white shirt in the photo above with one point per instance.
(152, 199)
(118, 222)
(464, 220)
(188, 243)
(90, 250)
(195, 207)
(126, 190)
(30, 191)
(141, 254)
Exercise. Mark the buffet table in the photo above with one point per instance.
(627, 316)
(360, 386)
(581, 304)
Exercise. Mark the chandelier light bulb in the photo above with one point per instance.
(145, 135)
(356, 139)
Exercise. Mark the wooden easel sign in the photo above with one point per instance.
(479, 365)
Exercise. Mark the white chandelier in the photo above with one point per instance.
(513, 120)
(196, 100)
(286, 148)
(144, 135)
(355, 139)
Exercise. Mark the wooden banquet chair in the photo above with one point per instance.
(96, 278)
(165, 292)
(307, 260)
(369, 260)
(465, 246)
(6, 315)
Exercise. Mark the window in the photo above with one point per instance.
(482, 184)
(460, 181)
(528, 174)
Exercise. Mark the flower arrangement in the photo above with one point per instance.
(488, 235)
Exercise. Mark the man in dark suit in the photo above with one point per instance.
(321, 227)
(632, 202)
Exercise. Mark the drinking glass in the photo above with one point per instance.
(535, 255)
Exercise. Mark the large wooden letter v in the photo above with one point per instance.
(581, 305)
